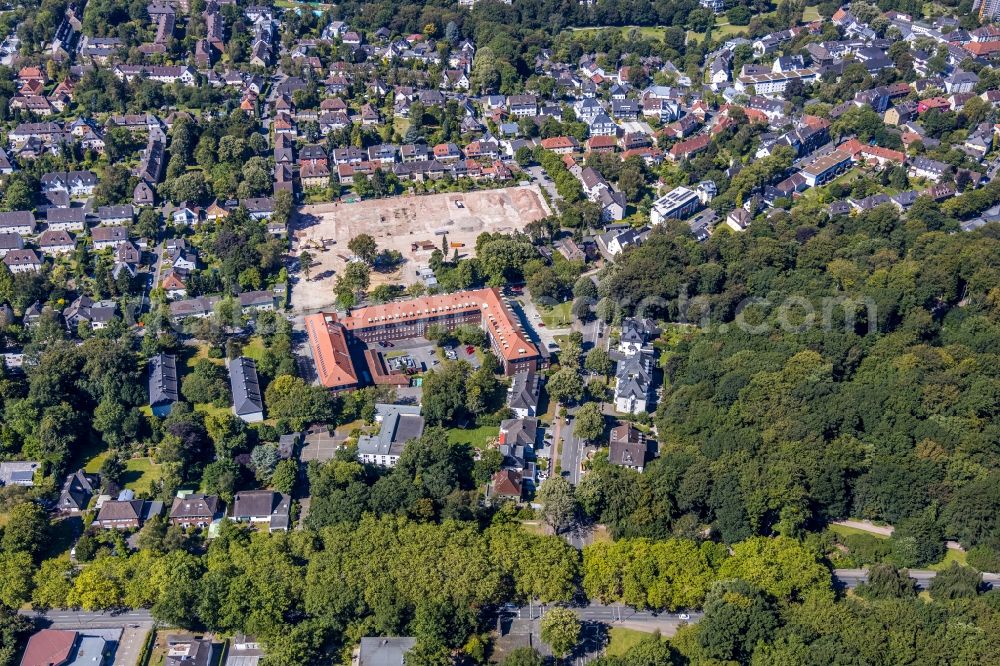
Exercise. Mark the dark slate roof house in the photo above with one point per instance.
(376, 651)
(248, 403)
(523, 396)
(263, 506)
(77, 491)
(163, 384)
(197, 510)
(628, 447)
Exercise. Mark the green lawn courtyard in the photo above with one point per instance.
(478, 438)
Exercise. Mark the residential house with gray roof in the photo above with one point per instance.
(164, 384)
(398, 425)
(18, 473)
(77, 490)
(263, 506)
(378, 651)
(248, 401)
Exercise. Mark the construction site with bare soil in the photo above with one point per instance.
(414, 226)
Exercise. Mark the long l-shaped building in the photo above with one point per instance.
(331, 335)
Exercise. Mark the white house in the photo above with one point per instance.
(676, 204)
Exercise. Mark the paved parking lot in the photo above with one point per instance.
(130, 646)
(320, 445)
(425, 353)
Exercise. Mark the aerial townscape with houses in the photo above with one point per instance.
(515, 332)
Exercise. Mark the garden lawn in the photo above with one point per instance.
(646, 31)
(559, 316)
(476, 437)
(844, 530)
(811, 14)
(140, 472)
(622, 640)
(254, 348)
(949, 557)
(200, 352)
(533, 527)
(208, 409)
(720, 30)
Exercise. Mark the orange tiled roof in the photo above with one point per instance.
(854, 147)
(497, 319)
(329, 345)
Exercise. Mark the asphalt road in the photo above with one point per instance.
(80, 619)
(130, 646)
(666, 623)
(570, 453)
(542, 178)
(851, 578)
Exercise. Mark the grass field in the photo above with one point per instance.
(720, 30)
(208, 409)
(621, 640)
(646, 31)
(559, 316)
(843, 530)
(201, 351)
(476, 437)
(140, 472)
(534, 527)
(254, 348)
(949, 557)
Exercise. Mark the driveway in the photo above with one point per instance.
(320, 445)
(130, 646)
(571, 454)
(539, 175)
(534, 326)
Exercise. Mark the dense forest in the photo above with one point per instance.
(785, 421)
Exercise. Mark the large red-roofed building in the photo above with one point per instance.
(330, 334)
(49, 647)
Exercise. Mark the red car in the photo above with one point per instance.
(470, 350)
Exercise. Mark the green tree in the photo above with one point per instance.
(886, 582)
(918, 541)
(52, 584)
(16, 570)
(489, 463)
(523, 656)
(290, 398)
(285, 474)
(560, 628)
(589, 422)
(599, 362)
(14, 632)
(955, 582)
(444, 395)
(207, 383)
(738, 616)
(220, 477)
(780, 566)
(264, 458)
(565, 385)
(27, 529)
(305, 262)
(364, 247)
(558, 502)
